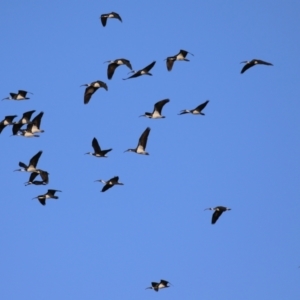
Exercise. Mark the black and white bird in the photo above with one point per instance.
(92, 88)
(112, 15)
(195, 111)
(24, 132)
(48, 195)
(180, 56)
(253, 62)
(8, 120)
(21, 95)
(110, 183)
(141, 147)
(97, 150)
(113, 64)
(44, 175)
(26, 117)
(32, 164)
(156, 114)
(218, 210)
(36, 123)
(141, 72)
(159, 285)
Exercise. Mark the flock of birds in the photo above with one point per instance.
(33, 126)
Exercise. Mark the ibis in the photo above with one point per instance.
(141, 147)
(113, 64)
(32, 164)
(180, 56)
(8, 120)
(141, 72)
(92, 88)
(156, 114)
(218, 210)
(195, 111)
(112, 15)
(36, 123)
(44, 175)
(26, 117)
(97, 150)
(48, 195)
(110, 183)
(21, 95)
(253, 62)
(159, 285)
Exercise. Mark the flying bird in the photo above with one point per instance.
(112, 15)
(141, 147)
(156, 114)
(8, 120)
(35, 124)
(253, 62)
(180, 56)
(26, 117)
(21, 95)
(218, 210)
(195, 111)
(92, 88)
(32, 164)
(141, 72)
(113, 64)
(33, 175)
(159, 285)
(97, 150)
(48, 195)
(110, 183)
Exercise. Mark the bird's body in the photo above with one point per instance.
(141, 147)
(112, 15)
(180, 56)
(44, 175)
(92, 88)
(26, 132)
(21, 95)
(113, 64)
(26, 117)
(195, 111)
(36, 123)
(141, 72)
(8, 120)
(253, 62)
(159, 285)
(156, 114)
(97, 150)
(218, 210)
(32, 164)
(110, 183)
(48, 195)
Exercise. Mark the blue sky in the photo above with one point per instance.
(243, 154)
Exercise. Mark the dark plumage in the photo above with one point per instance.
(48, 195)
(97, 150)
(159, 285)
(218, 212)
(253, 62)
(113, 64)
(112, 15)
(21, 95)
(8, 120)
(180, 56)
(141, 147)
(156, 114)
(195, 111)
(92, 88)
(110, 183)
(141, 72)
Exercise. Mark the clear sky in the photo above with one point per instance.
(243, 154)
